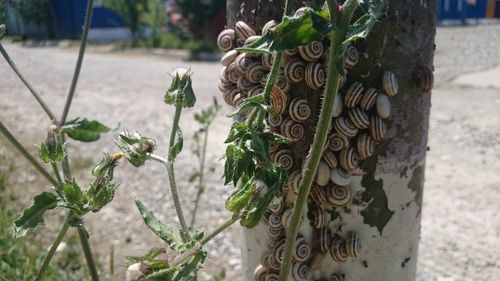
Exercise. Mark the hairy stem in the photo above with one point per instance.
(35, 94)
(52, 250)
(26, 154)
(65, 163)
(87, 251)
(81, 53)
(201, 176)
(56, 172)
(312, 160)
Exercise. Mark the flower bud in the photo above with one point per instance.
(180, 92)
(135, 148)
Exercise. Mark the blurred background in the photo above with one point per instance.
(135, 44)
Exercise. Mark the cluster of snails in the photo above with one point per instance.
(358, 124)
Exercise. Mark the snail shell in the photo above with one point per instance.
(302, 250)
(291, 52)
(251, 40)
(349, 159)
(337, 142)
(322, 236)
(340, 177)
(329, 158)
(255, 72)
(275, 220)
(274, 120)
(260, 273)
(231, 73)
(275, 232)
(338, 196)
(226, 40)
(287, 218)
(292, 130)
(273, 146)
(352, 57)
(229, 95)
(301, 11)
(344, 127)
(277, 205)
(229, 57)
(278, 101)
(338, 250)
(268, 26)
(223, 87)
(299, 110)
(365, 146)
(272, 262)
(317, 195)
(315, 75)
(244, 84)
(238, 99)
(425, 78)
(383, 106)
(242, 62)
(279, 250)
(322, 174)
(390, 83)
(318, 217)
(282, 83)
(267, 60)
(338, 105)
(300, 271)
(312, 51)
(256, 90)
(359, 118)
(284, 159)
(353, 244)
(264, 257)
(353, 95)
(293, 181)
(377, 128)
(337, 277)
(294, 70)
(243, 31)
(368, 99)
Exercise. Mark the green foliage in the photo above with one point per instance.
(163, 231)
(136, 147)
(84, 130)
(33, 216)
(52, 150)
(178, 144)
(180, 92)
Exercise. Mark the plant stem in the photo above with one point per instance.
(56, 172)
(312, 160)
(219, 229)
(202, 173)
(88, 253)
(26, 154)
(81, 53)
(65, 163)
(35, 94)
(52, 250)
(272, 75)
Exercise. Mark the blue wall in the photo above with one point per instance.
(460, 9)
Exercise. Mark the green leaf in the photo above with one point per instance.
(180, 92)
(177, 146)
(73, 194)
(84, 130)
(238, 129)
(188, 270)
(165, 232)
(360, 29)
(257, 101)
(239, 199)
(43, 153)
(292, 32)
(193, 177)
(258, 147)
(33, 216)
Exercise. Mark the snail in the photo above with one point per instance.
(255, 90)
(353, 244)
(302, 250)
(337, 142)
(314, 75)
(275, 220)
(231, 73)
(291, 52)
(425, 78)
(267, 60)
(312, 51)
(279, 250)
(274, 120)
(329, 158)
(260, 273)
(299, 110)
(244, 84)
(344, 127)
(338, 105)
(390, 83)
(301, 11)
(348, 159)
(337, 277)
(242, 62)
(368, 99)
(359, 118)
(229, 57)
(282, 83)
(284, 158)
(226, 40)
(365, 146)
(269, 26)
(275, 232)
(338, 196)
(292, 130)
(229, 95)
(317, 195)
(353, 95)
(278, 101)
(276, 205)
(338, 250)
(287, 218)
(255, 72)
(293, 181)
(251, 40)
(294, 70)
(238, 99)
(300, 271)
(340, 177)
(322, 174)
(322, 239)
(318, 217)
(272, 262)
(352, 57)
(377, 128)
(243, 31)
(383, 106)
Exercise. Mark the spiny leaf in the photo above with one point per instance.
(33, 216)
(189, 269)
(257, 101)
(84, 130)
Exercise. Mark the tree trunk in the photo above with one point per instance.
(387, 187)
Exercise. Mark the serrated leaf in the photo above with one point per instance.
(257, 101)
(163, 231)
(238, 129)
(188, 270)
(33, 216)
(84, 130)
(258, 146)
(178, 144)
(73, 194)
(43, 153)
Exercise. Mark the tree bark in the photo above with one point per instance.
(388, 186)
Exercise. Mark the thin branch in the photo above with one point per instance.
(84, 240)
(201, 176)
(52, 250)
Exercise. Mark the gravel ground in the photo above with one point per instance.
(461, 215)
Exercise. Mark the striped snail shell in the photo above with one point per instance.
(338, 105)
(348, 159)
(244, 84)
(353, 244)
(344, 127)
(242, 62)
(390, 83)
(238, 99)
(272, 276)
(291, 130)
(272, 262)
(312, 51)
(340, 177)
(229, 95)
(279, 250)
(275, 220)
(229, 57)
(260, 273)
(338, 196)
(322, 240)
(265, 217)
(302, 250)
(337, 277)
(318, 217)
(383, 106)
(329, 158)
(377, 128)
(338, 250)
(275, 232)
(353, 95)
(291, 52)
(365, 146)
(282, 83)
(301, 11)
(359, 118)
(267, 60)
(273, 146)
(317, 195)
(264, 257)
(293, 181)
(274, 120)
(337, 142)
(322, 174)
(224, 76)
(251, 40)
(352, 57)
(268, 26)
(232, 74)
(315, 75)
(226, 40)
(425, 78)
(299, 110)
(276, 205)
(278, 101)
(287, 218)
(225, 86)
(255, 72)
(284, 159)
(300, 271)
(294, 70)
(368, 99)
(243, 31)
(255, 90)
